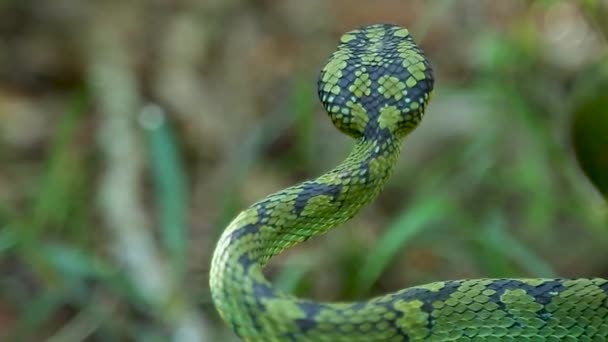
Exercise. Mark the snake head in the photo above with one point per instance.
(378, 82)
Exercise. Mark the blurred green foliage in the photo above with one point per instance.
(590, 125)
(488, 186)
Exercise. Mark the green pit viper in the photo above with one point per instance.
(375, 88)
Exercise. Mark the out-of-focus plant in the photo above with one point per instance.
(590, 125)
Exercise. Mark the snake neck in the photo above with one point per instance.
(290, 216)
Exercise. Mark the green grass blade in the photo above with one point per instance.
(58, 201)
(503, 248)
(303, 96)
(259, 137)
(8, 239)
(411, 223)
(290, 277)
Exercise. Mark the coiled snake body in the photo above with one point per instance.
(375, 88)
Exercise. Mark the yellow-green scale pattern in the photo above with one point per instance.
(375, 88)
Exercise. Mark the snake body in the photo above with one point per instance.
(375, 88)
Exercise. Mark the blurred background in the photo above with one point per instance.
(132, 132)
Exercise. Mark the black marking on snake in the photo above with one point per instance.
(311, 190)
(542, 294)
(441, 295)
(262, 290)
(345, 82)
(604, 287)
(251, 228)
(421, 88)
(246, 262)
(311, 310)
(362, 41)
(263, 212)
(365, 175)
(425, 295)
(500, 286)
(400, 329)
(388, 305)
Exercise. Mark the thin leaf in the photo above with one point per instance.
(504, 248)
(411, 223)
(170, 190)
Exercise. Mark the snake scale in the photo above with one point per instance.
(375, 88)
